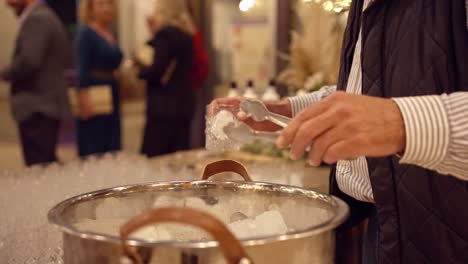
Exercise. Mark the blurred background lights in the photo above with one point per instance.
(336, 6)
(246, 5)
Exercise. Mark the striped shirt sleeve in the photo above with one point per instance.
(437, 132)
(299, 103)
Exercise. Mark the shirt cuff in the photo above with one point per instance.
(427, 130)
(299, 103)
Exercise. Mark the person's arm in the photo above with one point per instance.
(299, 103)
(32, 49)
(161, 61)
(437, 132)
(83, 53)
(288, 107)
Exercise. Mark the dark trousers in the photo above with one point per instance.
(164, 135)
(39, 134)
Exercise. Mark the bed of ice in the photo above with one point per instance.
(241, 220)
(27, 195)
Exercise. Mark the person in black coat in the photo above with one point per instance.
(170, 99)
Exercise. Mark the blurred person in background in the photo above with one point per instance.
(97, 56)
(38, 86)
(170, 98)
(201, 61)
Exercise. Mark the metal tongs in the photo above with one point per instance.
(257, 110)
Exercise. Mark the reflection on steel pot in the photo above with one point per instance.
(232, 249)
(91, 222)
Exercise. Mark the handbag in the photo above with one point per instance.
(100, 100)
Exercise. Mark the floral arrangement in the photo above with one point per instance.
(266, 149)
(315, 47)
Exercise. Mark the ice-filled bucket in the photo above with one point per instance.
(271, 223)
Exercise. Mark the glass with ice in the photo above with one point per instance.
(218, 116)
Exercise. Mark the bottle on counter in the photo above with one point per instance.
(250, 91)
(233, 90)
(270, 93)
(301, 92)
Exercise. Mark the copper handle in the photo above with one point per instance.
(231, 247)
(225, 166)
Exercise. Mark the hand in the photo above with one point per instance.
(345, 126)
(282, 107)
(84, 106)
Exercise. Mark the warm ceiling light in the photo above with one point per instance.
(328, 6)
(246, 5)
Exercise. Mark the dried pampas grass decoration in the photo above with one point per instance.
(316, 48)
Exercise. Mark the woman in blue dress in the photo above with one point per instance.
(97, 59)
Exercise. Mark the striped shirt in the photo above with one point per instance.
(436, 132)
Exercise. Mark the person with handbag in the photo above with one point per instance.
(170, 98)
(98, 56)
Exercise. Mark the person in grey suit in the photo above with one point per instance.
(38, 86)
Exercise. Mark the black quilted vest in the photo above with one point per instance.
(411, 48)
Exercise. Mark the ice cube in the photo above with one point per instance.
(217, 210)
(242, 204)
(273, 207)
(196, 203)
(270, 223)
(168, 201)
(221, 212)
(189, 233)
(244, 229)
(237, 216)
(108, 208)
(100, 226)
(152, 234)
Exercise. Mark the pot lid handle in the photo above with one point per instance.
(225, 166)
(228, 243)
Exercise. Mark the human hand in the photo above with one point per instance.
(84, 105)
(282, 107)
(345, 126)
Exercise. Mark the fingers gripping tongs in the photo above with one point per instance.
(257, 110)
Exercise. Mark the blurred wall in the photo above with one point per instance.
(8, 28)
(245, 43)
(133, 32)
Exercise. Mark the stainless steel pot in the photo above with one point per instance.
(312, 218)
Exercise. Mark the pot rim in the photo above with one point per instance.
(341, 214)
